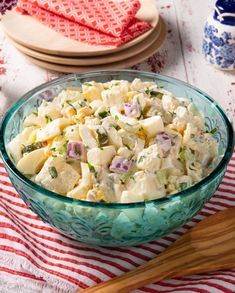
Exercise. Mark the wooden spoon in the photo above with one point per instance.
(209, 246)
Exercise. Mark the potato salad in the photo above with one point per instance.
(115, 142)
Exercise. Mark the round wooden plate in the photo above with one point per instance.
(30, 33)
(119, 64)
(86, 61)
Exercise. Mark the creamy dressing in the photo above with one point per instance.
(115, 142)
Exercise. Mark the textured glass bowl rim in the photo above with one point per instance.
(92, 74)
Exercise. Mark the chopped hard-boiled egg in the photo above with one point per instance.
(117, 141)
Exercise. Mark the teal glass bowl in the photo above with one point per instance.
(117, 224)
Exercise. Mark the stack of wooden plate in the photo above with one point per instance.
(49, 49)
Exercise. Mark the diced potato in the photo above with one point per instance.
(139, 146)
(27, 132)
(190, 132)
(113, 135)
(167, 163)
(149, 159)
(129, 96)
(92, 122)
(15, 146)
(137, 85)
(129, 196)
(96, 104)
(64, 178)
(145, 184)
(87, 138)
(124, 152)
(71, 94)
(92, 90)
(112, 97)
(52, 129)
(101, 156)
(34, 120)
(72, 133)
(152, 125)
(86, 174)
(81, 190)
(27, 136)
(32, 162)
(169, 103)
(181, 112)
(49, 109)
(140, 100)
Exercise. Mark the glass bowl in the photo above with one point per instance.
(117, 224)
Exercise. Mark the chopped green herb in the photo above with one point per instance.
(186, 155)
(82, 103)
(103, 114)
(171, 113)
(65, 144)
(102, 136)
(53, 149)
(125, 177)
(212, 131)
(35, 113)
(48, 118)
(106, 88)
(31, 147)
(162, 176)
(71, 105)
(153, 93)
(76, 149)
(116, 117)
(91, 168)
(88, 84)
(141, 159)
(183, 185)
(127, 146)
(132, 177)
(53, 172)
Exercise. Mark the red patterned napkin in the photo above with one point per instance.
(99, 22)
(36, 258)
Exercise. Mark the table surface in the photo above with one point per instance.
(179, 57)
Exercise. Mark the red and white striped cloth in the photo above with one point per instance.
(100, 22)
(36, 258)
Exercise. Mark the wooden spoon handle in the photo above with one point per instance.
(207, 247)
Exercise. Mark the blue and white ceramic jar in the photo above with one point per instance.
(219, 36)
